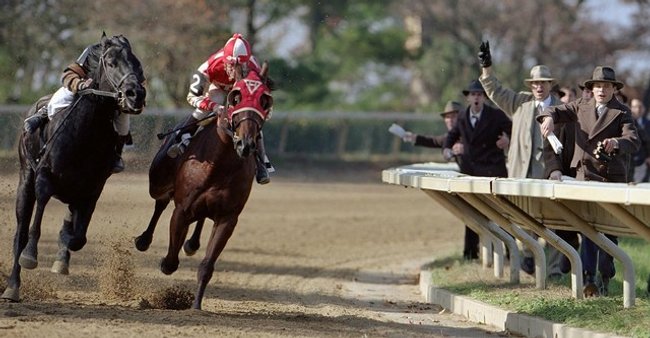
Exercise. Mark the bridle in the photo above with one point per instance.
(231, 126)
(116, 93)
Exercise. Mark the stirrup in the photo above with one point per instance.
(176, 149)
(267, 164)
(179, 148)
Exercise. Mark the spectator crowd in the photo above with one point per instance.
(501, 132)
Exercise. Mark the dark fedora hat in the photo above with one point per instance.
(603, 74)
(451, 107)
(474, 86)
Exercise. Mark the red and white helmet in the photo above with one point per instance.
(237, 50)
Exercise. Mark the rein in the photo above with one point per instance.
(100, 93)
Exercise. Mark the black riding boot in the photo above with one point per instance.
(118, 166)
(183, 139)
(37, 120)
(263, 164)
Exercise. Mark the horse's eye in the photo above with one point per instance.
(234, 97)
(266, 101)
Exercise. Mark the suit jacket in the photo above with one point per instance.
(431, 141)
(643, 128)
(481, 156)
(616, 122)
(566, 134)
(521, 107)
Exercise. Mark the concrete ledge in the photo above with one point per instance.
(480, 312)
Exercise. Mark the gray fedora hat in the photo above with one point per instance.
(603, 74)
(539, 73)
(474, 86)
(451, 107)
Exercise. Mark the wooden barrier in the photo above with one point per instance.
(592, 208)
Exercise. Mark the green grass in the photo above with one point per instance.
(603, 314)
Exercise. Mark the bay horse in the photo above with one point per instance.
(71, 158)
(212, 179)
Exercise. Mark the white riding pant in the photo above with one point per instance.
(63, 98)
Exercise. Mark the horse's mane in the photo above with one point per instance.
(94, 54)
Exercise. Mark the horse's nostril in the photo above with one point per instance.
(130, 93)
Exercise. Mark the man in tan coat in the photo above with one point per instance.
(525, 155)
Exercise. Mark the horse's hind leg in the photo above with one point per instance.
(143, 241)
(194, 243)
(61, 264)
(218, 239)
(24, 208)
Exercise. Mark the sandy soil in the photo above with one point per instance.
(308, 258)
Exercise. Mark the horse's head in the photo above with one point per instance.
(120, 72)
(249, 105)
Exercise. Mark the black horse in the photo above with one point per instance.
(72, 157)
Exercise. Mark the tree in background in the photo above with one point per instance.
(34, 38)
(383, 55)
(561, 34)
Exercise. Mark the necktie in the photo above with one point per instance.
(473, 119)
(601, 109)
(540, 109)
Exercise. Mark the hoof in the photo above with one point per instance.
(27, 262)
(168, 269)
(188, 249)
(60, 267)
(142, 243)
(11, 294)
(76, 244)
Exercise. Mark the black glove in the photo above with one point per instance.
(484, 57)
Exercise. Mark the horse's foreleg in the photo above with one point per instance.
(143, 241)
(177, 231)
(218, 239)
(29, 256)
(192, 245)
(81, 215)
(24, 207)
(62, 262)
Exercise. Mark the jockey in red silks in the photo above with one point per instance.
(209, 88)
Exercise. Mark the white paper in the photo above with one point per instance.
(397, 130)
(555, 143)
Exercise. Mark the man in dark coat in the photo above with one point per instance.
(449, 115)
(484, 132)
(605, 138)
(557, 166)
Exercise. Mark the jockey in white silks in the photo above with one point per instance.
(75, 79)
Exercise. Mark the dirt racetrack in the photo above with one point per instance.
(313, 255)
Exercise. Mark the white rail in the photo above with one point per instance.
(592, 208)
